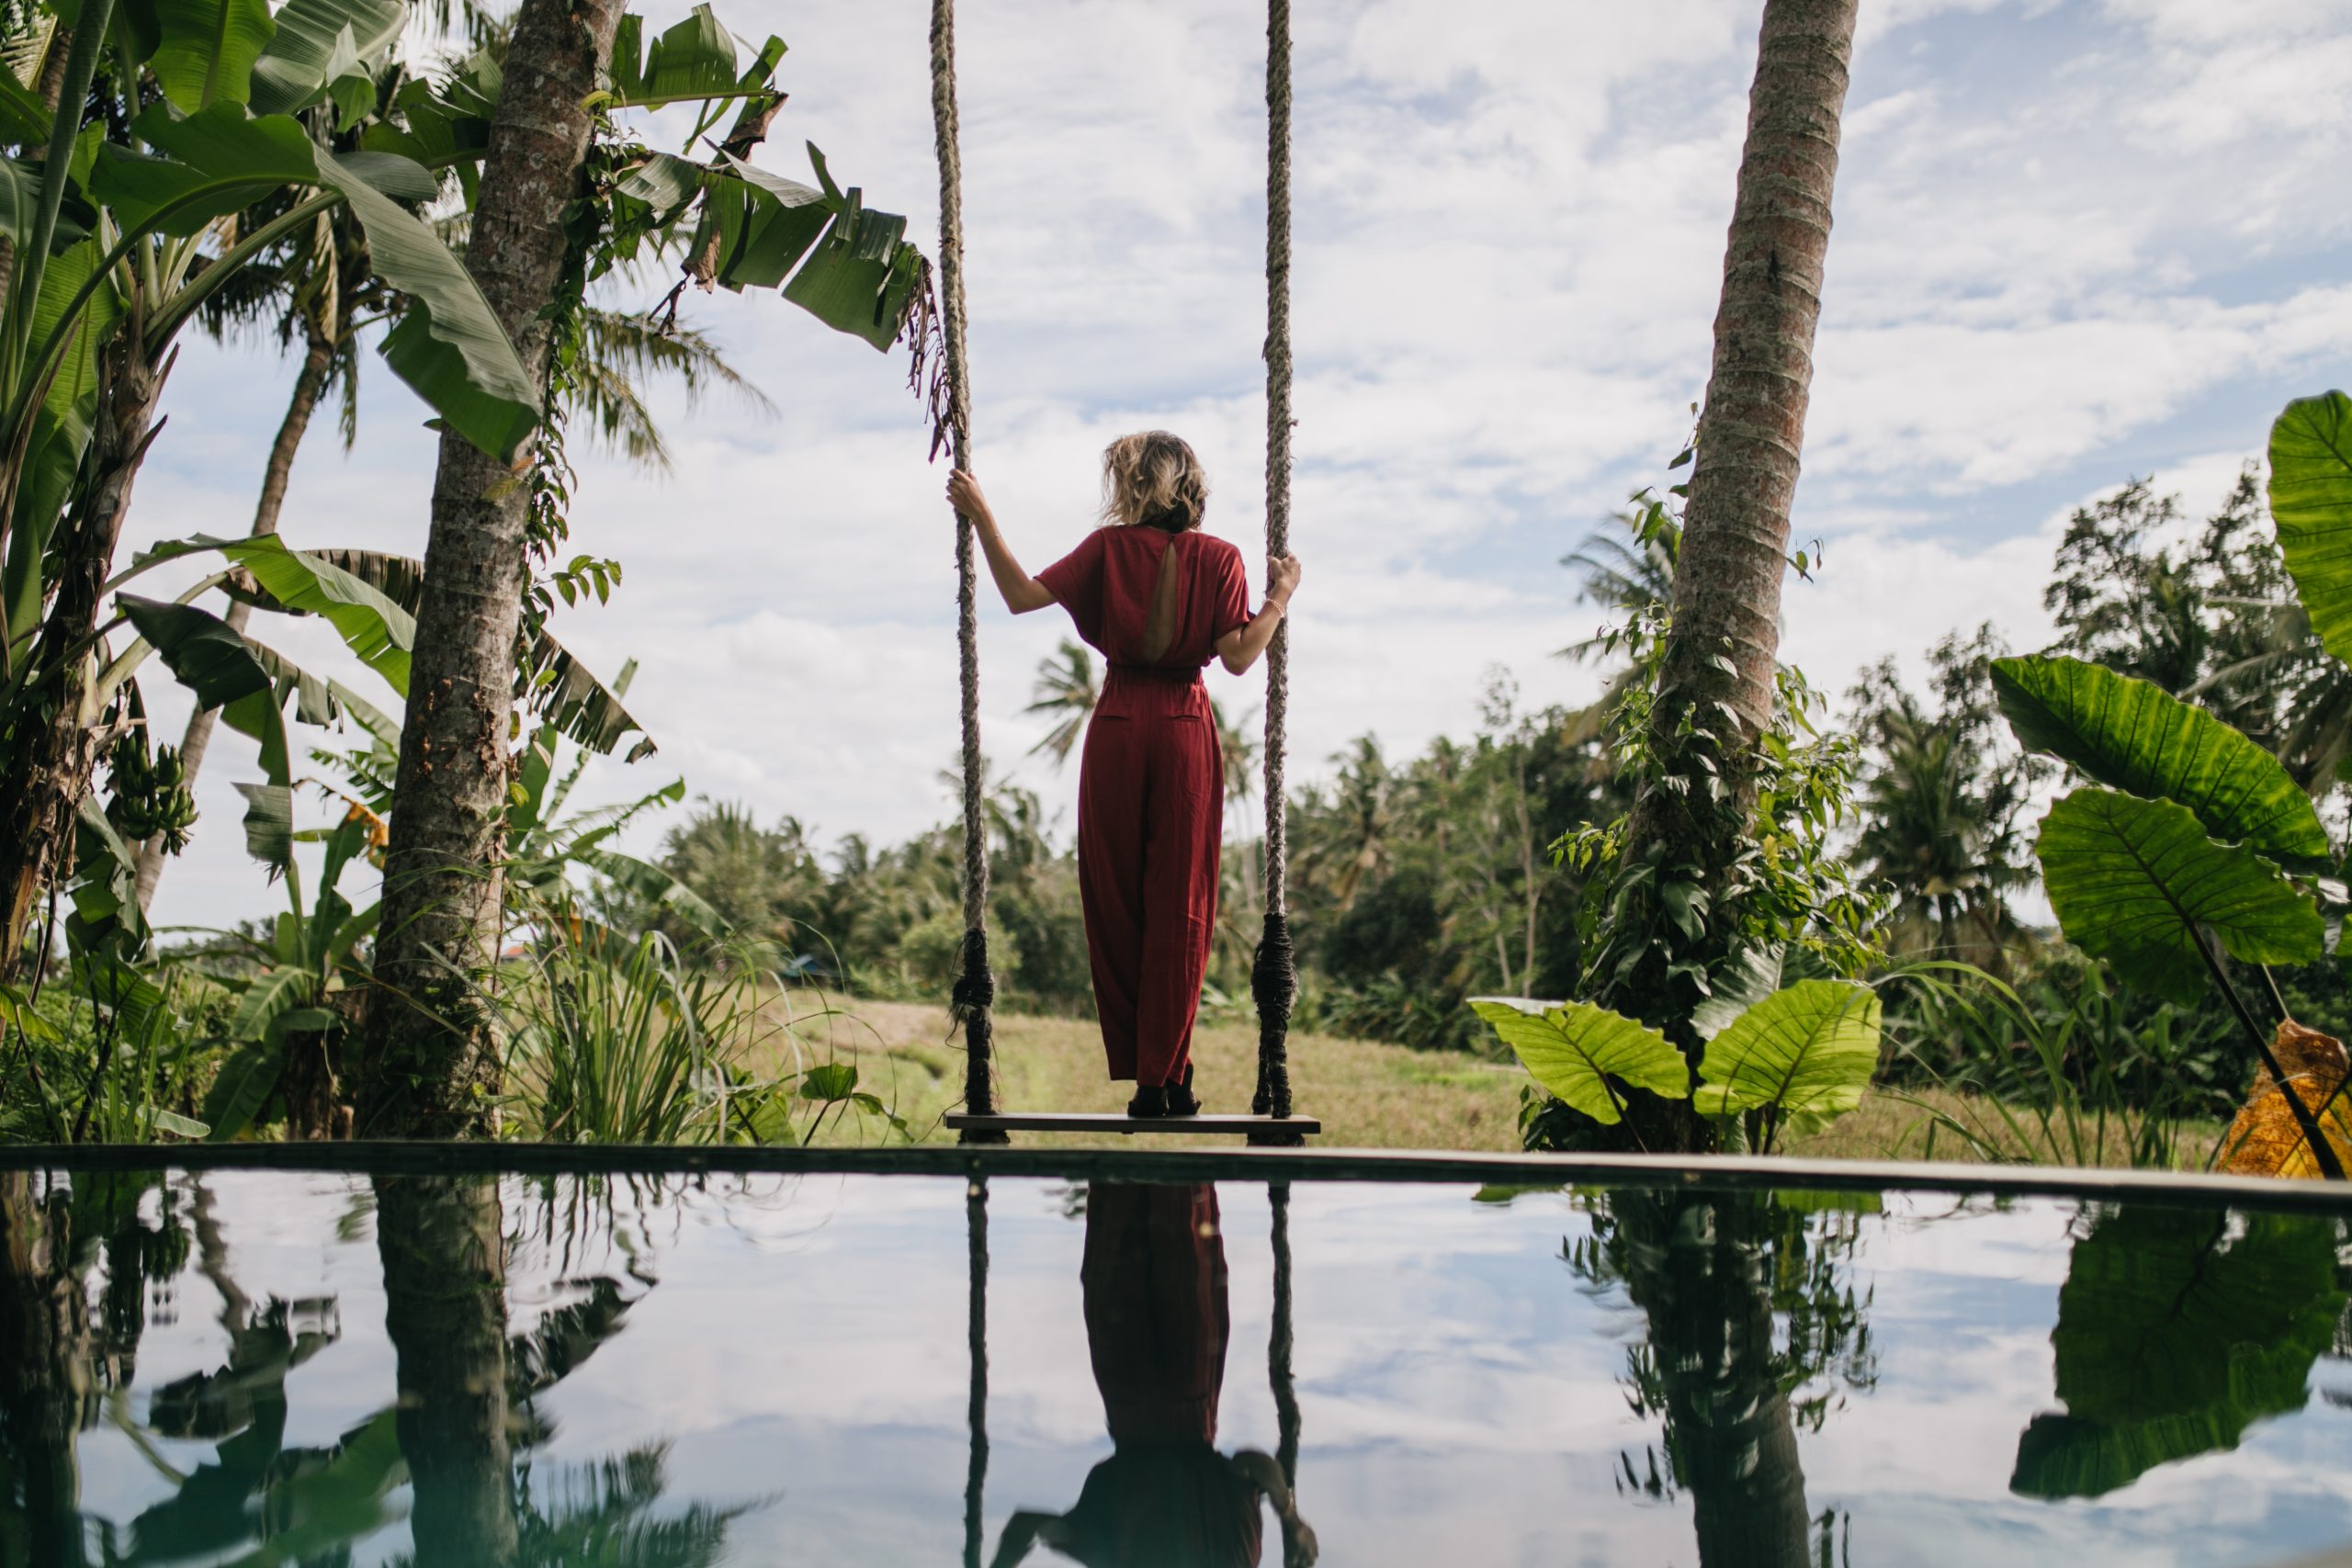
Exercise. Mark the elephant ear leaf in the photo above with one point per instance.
(2175, 1334)
(1809, 1050)
(2135, 737)
(2133, 879)
(2310, 501)
(1575, 1048)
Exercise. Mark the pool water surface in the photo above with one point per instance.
(266, 1367)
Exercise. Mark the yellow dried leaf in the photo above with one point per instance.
(2264, 1138)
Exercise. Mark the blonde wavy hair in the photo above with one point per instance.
(1154, 478)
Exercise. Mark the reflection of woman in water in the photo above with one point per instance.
(1156, 1329)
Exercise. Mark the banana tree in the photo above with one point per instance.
(119, 237)
(2189, 841)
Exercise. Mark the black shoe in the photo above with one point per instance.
(1150, 1102)
(1181, 1101)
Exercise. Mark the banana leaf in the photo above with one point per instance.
(447, 345)
(2131, 880)
(379, 631)
(1575, 1048)
(240, 1090)
(2135, 737)
(207, 48)
(694, 58)
(211, 660)
(269, 823)
(320, 45)
(556, 683)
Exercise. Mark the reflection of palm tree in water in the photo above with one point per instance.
(1709, 1273)
(1157, 1326)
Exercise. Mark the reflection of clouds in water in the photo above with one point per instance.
(1462, 1388)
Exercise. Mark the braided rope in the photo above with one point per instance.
(1274, 979)
(975, 992)
(1278, 1343)
(976, 1340)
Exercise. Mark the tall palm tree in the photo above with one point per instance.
(1927, 834)
(430, 1066)
(1355, 838)
(1718, 677)
(1632, 573)
(1065, 689)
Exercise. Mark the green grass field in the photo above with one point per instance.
(1369, 1094)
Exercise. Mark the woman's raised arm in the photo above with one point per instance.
(1241, 646)
(1022, 592)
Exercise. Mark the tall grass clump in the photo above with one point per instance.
(2068, 1075)
(618, 1038)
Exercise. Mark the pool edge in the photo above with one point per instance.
(1198, 1165)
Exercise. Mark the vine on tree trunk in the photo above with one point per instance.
(1665, 934)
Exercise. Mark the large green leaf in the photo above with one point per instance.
(2172, 1337)
(260, 715)
(208, 49)
(210, 657)
(1575, 1048)
(269, 823)
(664, 182)
(380, 632)
(1808, 1050)
(320, 43)
(2133, 736)
(857, 279)
(765, 225)
(273, 994)
(2133, 879)
(61, 429)
(106, 920)
(2311, 502)
(20, 199)
(241, 1089)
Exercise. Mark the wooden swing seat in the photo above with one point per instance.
(1119, 1122)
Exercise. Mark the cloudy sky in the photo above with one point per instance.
(2076, 241)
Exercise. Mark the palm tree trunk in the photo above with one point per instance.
(308, 383)
(428, 1067)
(441, 1242)
(1698, 1282)
(47, 758)
(1722, 653)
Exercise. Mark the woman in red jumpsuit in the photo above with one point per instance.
(1158, 599)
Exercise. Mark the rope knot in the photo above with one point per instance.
(1273, 982)
(975, 984)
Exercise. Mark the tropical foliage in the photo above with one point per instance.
(224, 165)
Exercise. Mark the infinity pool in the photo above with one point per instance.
(238, 1366)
